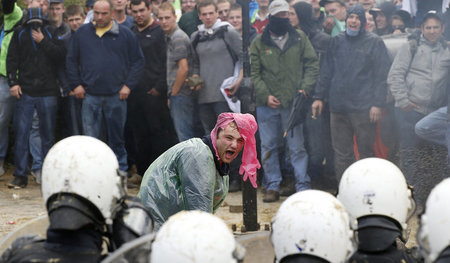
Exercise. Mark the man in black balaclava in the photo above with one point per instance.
(277, 77)
(353, 79)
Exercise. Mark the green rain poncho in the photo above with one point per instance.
(190, 175)
(183, 178)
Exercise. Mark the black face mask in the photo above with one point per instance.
(278, 26)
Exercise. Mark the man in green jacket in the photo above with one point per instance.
(193, 175)
(283, 64)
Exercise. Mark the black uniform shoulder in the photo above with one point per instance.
(393, 255)
(20, 244)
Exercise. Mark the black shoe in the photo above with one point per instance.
(18, 182)
(271, 196)
(235, 186)
(287, 190)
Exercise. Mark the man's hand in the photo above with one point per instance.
(78, 92)
(316, 107)
(328, 25)
(196, 88)
(153, 92)
(16, 91)
(411, 106)
(273, 102)
(37, 35)
(234, 88)
(375, 114)
(124, 92)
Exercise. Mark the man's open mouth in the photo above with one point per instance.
(230, 152)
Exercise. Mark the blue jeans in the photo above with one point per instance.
(272, 123)
(209, 112)
(435, 128)
(35, 144)
(6, 112)
(182, 112)
(23, 118)
(113, 111)
(406, 122)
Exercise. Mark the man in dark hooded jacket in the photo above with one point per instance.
(317, 131)
(33, 56)
(353, 78)
(382, 16)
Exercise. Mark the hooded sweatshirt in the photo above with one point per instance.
(319, 39)
(388, 9)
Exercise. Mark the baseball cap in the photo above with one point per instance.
(322, 3)
(432, 14)
(278, 6)
(56, 1)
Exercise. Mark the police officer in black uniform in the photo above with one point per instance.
(86, 200)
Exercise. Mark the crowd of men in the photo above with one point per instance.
(129, 74)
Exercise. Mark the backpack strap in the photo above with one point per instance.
(219, 33)
(414, 43)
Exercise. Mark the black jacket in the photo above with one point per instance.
(153, 44)
(32, 65)
(354, 72)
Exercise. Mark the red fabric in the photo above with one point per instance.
(381, 150)
(247, 127)
(259, 25)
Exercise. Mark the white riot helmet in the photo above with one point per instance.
(314, 224)
(434, 231)
(375, 192)
(195, 236)
(80, 177)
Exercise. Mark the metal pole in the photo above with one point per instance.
(249, 201)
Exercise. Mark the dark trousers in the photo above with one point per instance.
(343, 127)
(152, 127)
(209, 112)
(318, 144)
(71, 123)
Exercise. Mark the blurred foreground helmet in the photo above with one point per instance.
(314, 225)
(434, 231)
(132, 220)
(195, 236)
(80, 183)
(374, 191)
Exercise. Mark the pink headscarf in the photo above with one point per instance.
(247, 128)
